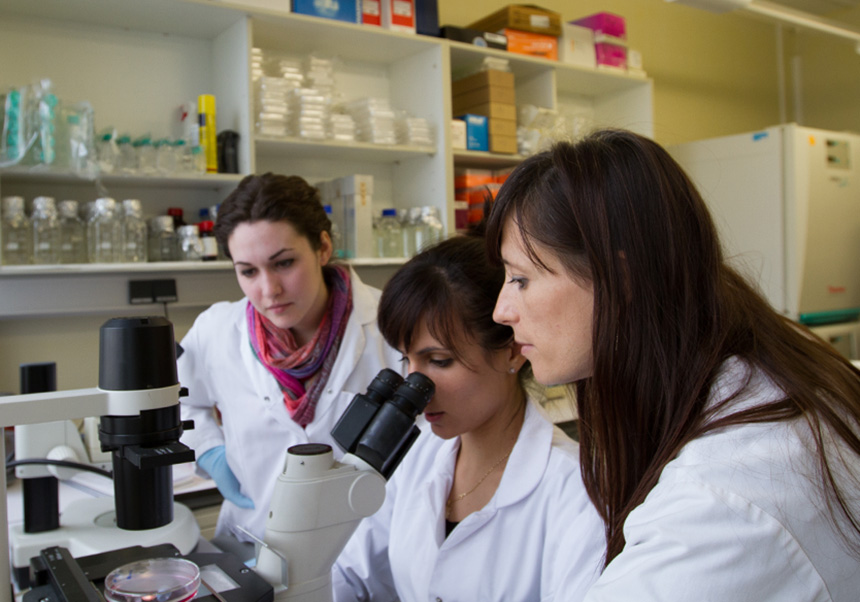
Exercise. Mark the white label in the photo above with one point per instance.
(43, 246)
(370, 7)
(210, 246)
(12, 246)
(539, 21)
(402, 8)
(106, 246)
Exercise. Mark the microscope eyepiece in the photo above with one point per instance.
(413, 394)
(383, 386)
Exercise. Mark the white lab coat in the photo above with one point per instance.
(736, 517)
(518, 547)
(219, 369)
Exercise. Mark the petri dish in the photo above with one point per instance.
(153, 580)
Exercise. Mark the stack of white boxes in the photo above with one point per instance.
(351, 200)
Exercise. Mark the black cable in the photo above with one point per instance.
(63, 463)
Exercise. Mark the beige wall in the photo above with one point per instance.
(829, 76)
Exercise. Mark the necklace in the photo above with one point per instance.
(459, 497)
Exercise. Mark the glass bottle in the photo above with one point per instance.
(198, 160)
(73, 239)
(46, 231)
(178, 216)
(432, 225)
(165, 157)
(389, 238)
(207, 239)
(15, 233)
(190, 245)
(133, 232)
(104, 232)
(162, 239)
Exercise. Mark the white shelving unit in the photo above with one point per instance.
(136, 61)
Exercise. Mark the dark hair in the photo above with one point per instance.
(617, 210)
(274, 198)
(452, 288)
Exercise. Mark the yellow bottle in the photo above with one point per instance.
(206, 111)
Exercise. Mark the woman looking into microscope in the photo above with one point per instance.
(489, 503)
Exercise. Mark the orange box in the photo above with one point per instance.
(532, 44)
(472, 178)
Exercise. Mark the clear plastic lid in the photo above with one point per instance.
(153, 580)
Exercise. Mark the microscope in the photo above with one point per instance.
(317, 503)
(138, 401)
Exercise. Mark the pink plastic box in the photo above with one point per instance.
(606, 23)
(610, 55)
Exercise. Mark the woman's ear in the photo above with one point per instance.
(326, 248)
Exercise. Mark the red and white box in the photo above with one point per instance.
(399, 15)
(371, 12)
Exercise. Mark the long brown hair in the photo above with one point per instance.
(616, 209)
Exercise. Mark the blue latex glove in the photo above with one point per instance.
(214, 462)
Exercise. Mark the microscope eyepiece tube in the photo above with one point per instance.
(392, 431)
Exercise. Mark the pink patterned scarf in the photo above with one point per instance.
(302, 372)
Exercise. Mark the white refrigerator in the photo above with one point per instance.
(786, 202)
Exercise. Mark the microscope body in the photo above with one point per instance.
(318, 502)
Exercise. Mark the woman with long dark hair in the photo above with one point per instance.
(719, 439)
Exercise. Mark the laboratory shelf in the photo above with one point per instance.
(194, 181)
(467, 158)
(333, 150)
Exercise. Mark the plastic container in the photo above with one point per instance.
(153, 580)
(604, 23)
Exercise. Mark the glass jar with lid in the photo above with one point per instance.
(73, 238)
(46, 231)
(189, 244)
(162, 239)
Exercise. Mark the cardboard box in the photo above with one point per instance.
(399, 15)
(532, 44)
(503, 144)
(479, 96)
(501, 127)
(476, 37)
(493, 109)
(470, 177)
(523, 17)
(576, 46)
(371, 12)
(483, 79)
(458, 134)
(343, 10)
(476, 132)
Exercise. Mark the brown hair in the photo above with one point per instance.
(615, 208)
(274, 198)
(452, 287)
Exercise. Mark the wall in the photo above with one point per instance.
(829, 76)
(713, 74)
